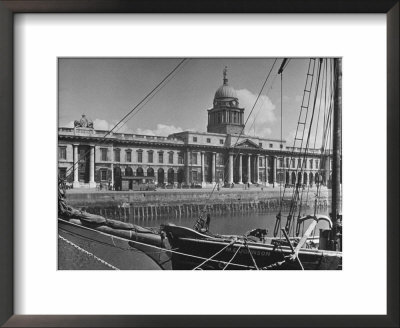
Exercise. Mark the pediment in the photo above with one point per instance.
(247, 144)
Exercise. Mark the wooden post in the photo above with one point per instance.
(337, 149)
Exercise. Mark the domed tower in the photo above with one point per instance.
(226, 116)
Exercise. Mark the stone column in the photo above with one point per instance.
(92, 183)
(187, 167)
(230, 168)
(112, 174)
(112, 166)
(76, 183)
(248, 169)
(257, 177)
(214, 155)
(203, 180)
(240, 169)
(266, 170)
(274, 174)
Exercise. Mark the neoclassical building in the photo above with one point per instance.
(221, 155)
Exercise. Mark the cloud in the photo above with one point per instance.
(100, 124)
(263, 114)
(160, 130)
(69, 124)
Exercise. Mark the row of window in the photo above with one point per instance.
(62, 154)
(299, 162)
(150, 156)
(270, 145)
(221, 141)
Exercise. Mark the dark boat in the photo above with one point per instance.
(115, 244)
(202, 250)
(115, 252)
(197, 249)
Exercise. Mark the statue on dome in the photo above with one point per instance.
(83, 123)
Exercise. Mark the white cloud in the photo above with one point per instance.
(160, 130)
(263, 114)
(100, 124)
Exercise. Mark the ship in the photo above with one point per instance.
(199, 249)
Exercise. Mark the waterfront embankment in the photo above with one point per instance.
(132, 205)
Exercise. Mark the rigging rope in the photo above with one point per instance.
(234, 255)
(238, 138)
(88, 253)
(210, 258)
(159, 250)
(295, 196)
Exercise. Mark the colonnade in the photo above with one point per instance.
(253, 171)
(76, 183)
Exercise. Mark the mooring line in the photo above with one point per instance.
(88, 253)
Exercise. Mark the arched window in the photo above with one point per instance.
(139, 172)
(311, 179)
(171, 176)
(128, 172)
(181, 176)
(150, 172)
(293, 178)
(299, 178)
(160, 176)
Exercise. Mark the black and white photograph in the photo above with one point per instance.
(199, 163)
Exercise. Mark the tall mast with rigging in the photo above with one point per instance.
(337, 152)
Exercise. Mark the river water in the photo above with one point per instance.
(230, 223)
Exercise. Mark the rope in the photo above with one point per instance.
(231, 243)
(159, 250)
(241, 133)
(237, 251)
(251, 255)
(88, 253)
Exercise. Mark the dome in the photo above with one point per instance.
(225, 90)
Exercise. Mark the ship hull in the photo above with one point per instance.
(194, 248)
(114, 251)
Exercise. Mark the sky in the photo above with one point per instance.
(106, 89)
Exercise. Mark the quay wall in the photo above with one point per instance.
(177, 197)
(133, 206)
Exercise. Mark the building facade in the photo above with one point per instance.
(88, 157)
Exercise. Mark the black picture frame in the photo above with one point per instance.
(10, 7)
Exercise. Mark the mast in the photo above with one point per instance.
(337, 152)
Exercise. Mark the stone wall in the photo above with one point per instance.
(175, 197)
